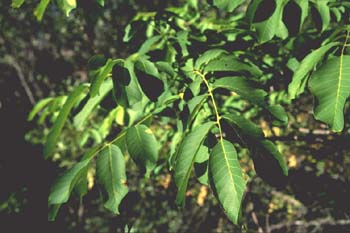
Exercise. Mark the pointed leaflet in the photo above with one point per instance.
(100, 75)
(185, 158)
(40, 9)
(331, 86)
(297, 86)
(110, 172)
(63, 186)
(61, 119)
(142, 147)
(83, 115)
(227, 178)
(247, 90)
(38, 107)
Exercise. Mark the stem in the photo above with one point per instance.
(210, 92)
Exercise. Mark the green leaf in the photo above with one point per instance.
(38, 107)
(243, 87)
(91, 104)
(208, 56)
(63, 187)
(17, 3)
(247, 90)
(269, 163)
(324, 11)
(244, 125)
(110, 173)
(61, 119)
(297, 86)
(148, 76)
(100, 75)
(142, 147)
(330, 84)
(40, 9)
(185, 158)
(148, 44)
(227, 5)
(101, 2)
(201, 165)
(67, 5)
(273, 25)
(227, 178)
(231, 63)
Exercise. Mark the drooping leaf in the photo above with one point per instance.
(100, 75)
(185, 158)
(245, 125)
(40, 9)
(227, 5)
(324, 12)
(297, 86)
(231, 63)
(91, 104)
(148, 77)
(17, 3)
(71, 179)
(227, 178)
(110, 173)
(63, 187)
(247, 90)
(269, 163)
(330, 84)
(121, 79)
(142, 147)
(61, 119)
(38, 107)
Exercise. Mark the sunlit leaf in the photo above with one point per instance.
(110, 173)
(330, 84)
(227, 178)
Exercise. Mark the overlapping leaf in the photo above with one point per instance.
(185, 158)
(142, 147)
(297, 86)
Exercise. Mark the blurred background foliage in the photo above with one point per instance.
(48, 58)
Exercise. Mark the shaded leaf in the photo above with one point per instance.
(148, 77)
(185, 158)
